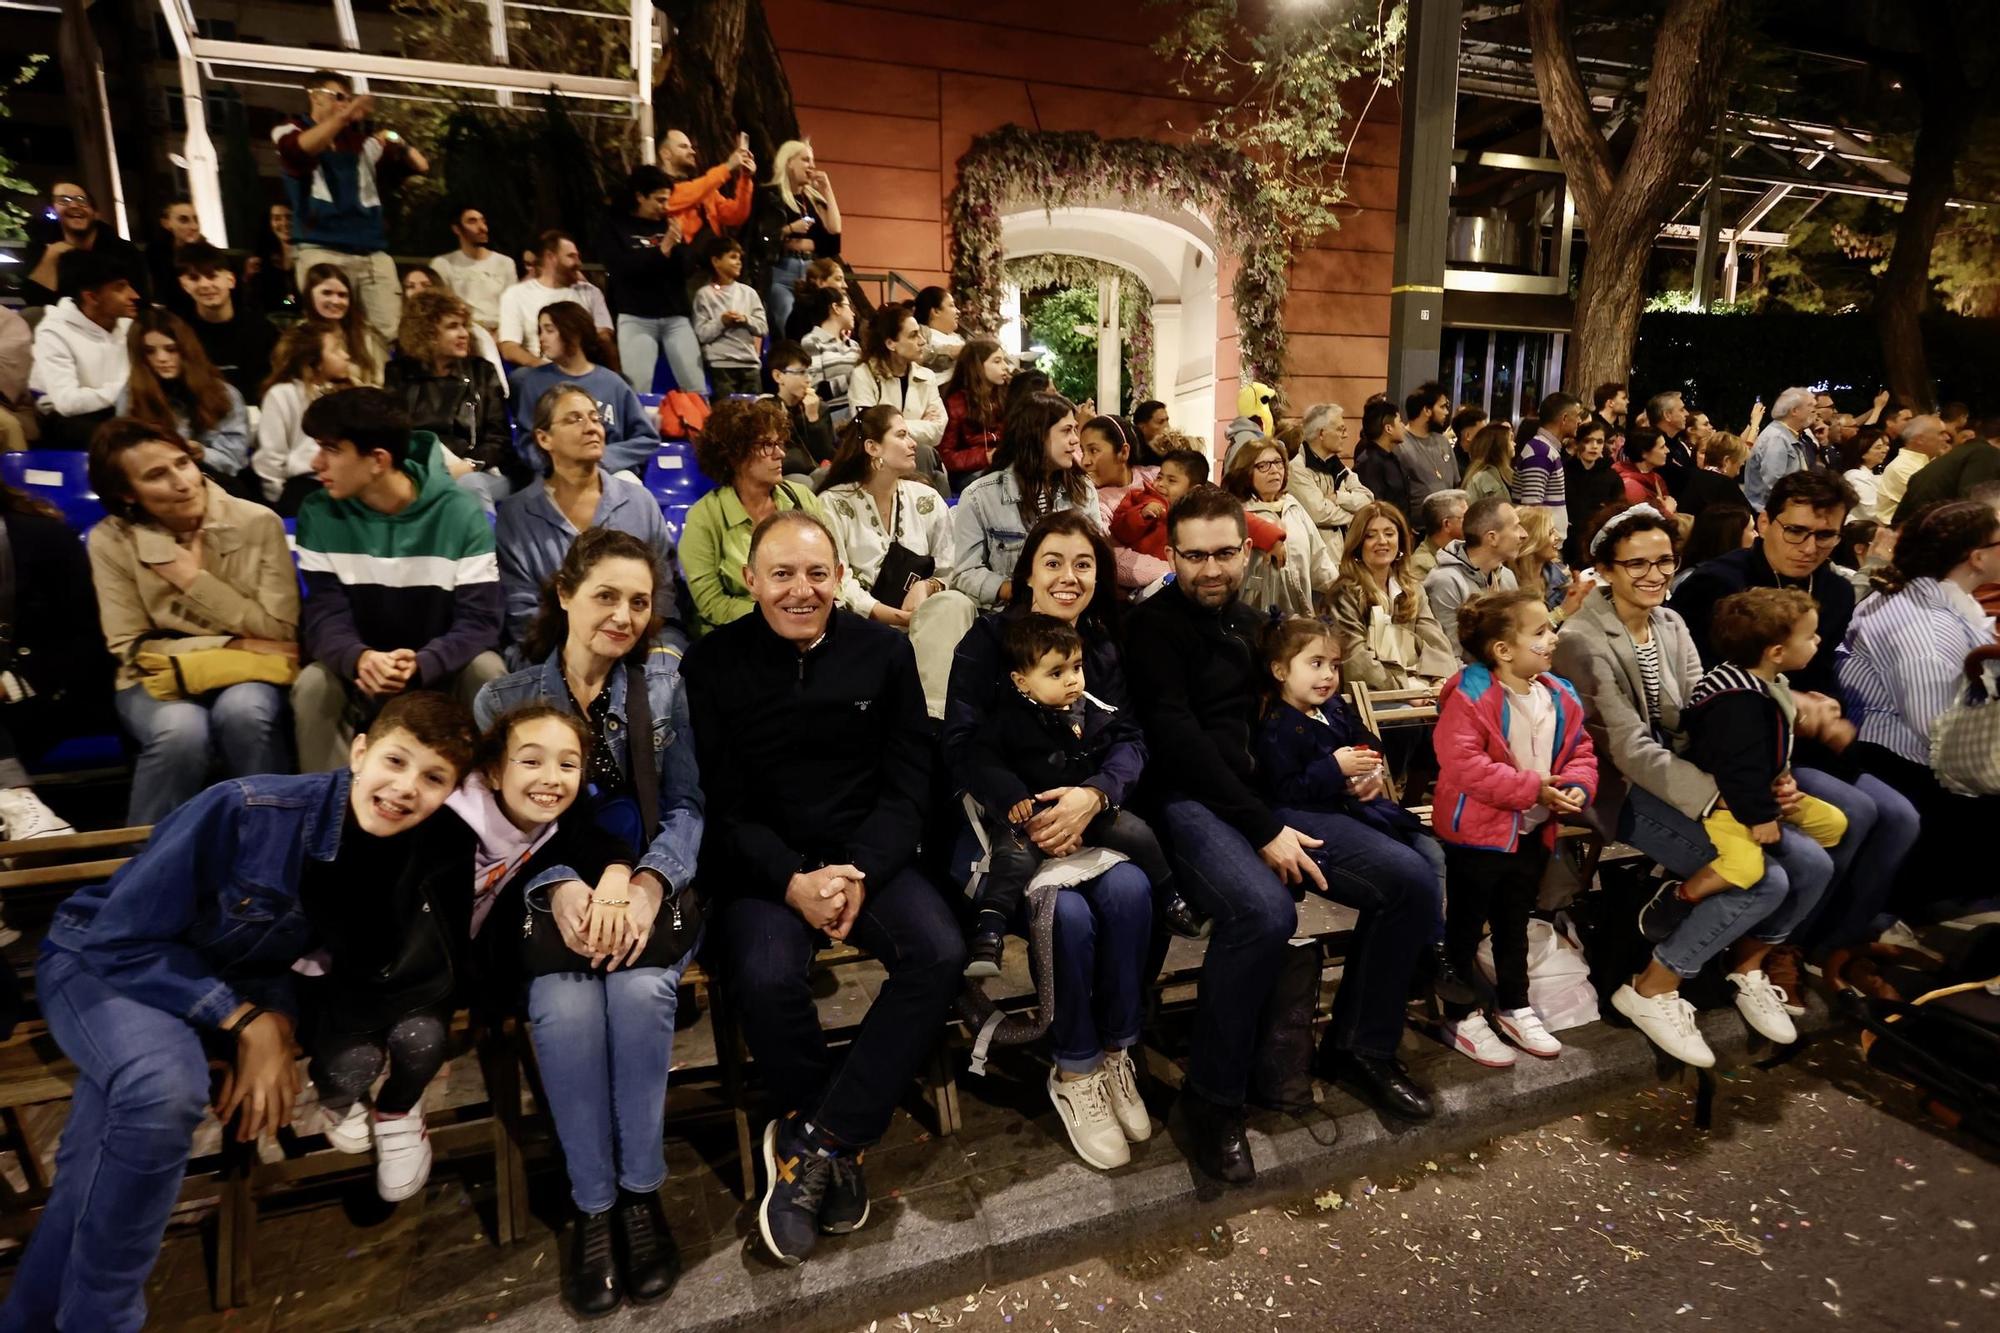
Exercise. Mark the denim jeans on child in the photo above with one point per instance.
(1796, 873)
(141, 1089)
(605, 1041)
(906, 925)
(640, 343)
(1220, 873)
(181, 740)
(1394, 887)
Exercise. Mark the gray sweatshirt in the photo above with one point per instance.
(729, 345)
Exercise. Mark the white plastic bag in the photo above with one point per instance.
(1559, 986)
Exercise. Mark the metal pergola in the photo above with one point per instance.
(226, 61)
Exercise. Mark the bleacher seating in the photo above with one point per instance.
(60, 476)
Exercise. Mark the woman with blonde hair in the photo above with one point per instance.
(1539, 568)
(1390, 638)
(797, 220)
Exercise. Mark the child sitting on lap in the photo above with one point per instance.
(1140, 523)
(1512, 751)
(1046, 734)
(1739, 720)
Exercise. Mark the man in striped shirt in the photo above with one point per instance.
(402, 582)
(1538, 465)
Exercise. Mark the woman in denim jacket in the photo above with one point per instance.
(186, 952)
(1037, 471)
(605, 1038)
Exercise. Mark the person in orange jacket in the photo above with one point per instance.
(698, 200)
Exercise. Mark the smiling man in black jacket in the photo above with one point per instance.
(1196, 673)
(815, 758)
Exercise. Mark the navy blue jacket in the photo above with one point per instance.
(1296, 768)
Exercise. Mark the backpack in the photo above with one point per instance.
(682, 415)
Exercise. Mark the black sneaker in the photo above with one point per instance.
(1664, 912)
(846, 1207)
(1183, 920)
(1449, 984)
(648, 1259)
(982, 958)
(796, 1179)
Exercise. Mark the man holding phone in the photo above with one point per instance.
(697, 200)
(332, 162)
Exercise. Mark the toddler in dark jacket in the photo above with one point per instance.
(1044, 734)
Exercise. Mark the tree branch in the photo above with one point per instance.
(1566, 109)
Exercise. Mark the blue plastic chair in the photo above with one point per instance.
(671, 475)
(60, 476)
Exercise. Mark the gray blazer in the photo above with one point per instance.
(1595, 654)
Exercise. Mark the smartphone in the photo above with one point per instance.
(742, 143)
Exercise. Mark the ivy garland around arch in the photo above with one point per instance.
(1064, 168)
(1135, 304)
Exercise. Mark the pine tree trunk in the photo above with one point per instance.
(722, 75)
(1947, 113)
(1622, 204)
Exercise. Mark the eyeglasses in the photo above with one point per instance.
(1797, 534)
(68, 199)
(1268, 465)
(1666, 564)
(1222, 555)
(769, 447)
(334, 94)
(575, 419)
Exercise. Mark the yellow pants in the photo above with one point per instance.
(1738, 857)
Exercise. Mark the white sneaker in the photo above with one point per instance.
(348, 1132)
(1763, 1006)
(24, 816)
(1668, 1022)
(1524, 1028)
(1121, 1083)
(1085, 1107)
(1474, 1039)
(402, 1155)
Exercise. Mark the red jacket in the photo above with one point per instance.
(1642, 487)
(1481, 795)
(967, 446)
(1133, 528)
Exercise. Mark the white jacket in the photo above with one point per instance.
(79, 367)
(1308, 570)
(284, 450)
(922, 409)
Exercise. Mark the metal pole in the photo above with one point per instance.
(203, 167)
(496, 40)
(642, 75)
(1110, 349)
(1423, 191)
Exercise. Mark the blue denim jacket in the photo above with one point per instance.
(675, 849)
(208, 916)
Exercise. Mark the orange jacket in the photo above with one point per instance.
(700, 200)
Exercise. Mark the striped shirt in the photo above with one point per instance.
(1648, 654)
(1901, 663)
(1539, 479)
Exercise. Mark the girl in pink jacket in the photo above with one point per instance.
(1512, 755)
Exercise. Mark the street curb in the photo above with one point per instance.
(1007, 1224)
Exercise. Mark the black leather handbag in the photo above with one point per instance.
(543, 952)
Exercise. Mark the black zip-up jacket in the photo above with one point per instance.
(465, 407)
(644, 283)
(1713, 580)
(1385, 479)
(1023, 747)
(1194, 680)
(807, 759)
(1737, 734)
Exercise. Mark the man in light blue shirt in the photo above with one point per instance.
(1779, 449)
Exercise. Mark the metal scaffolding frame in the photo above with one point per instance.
(199, 56)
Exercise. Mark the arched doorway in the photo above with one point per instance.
(1175, 256)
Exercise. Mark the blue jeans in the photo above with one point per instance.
(141, 1089)
(1395, 888)
(605, 1041)
(1881, 830)
(779, 297)
(1220, 873)
(641, 341)
(906, 925)
(180, 741)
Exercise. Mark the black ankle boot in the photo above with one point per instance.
(1215, 1133)
(1182, 919)
(593, 1288)
(648, 1259)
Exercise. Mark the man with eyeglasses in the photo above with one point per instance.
(1796, 537)
(333, 176)
(1197, 677)
(76, 228)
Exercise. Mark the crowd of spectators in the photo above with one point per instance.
(932, 619)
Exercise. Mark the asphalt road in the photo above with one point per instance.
(1820, 1198)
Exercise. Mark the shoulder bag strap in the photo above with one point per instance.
(645, 776)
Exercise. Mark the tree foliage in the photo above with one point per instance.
(1064, 320)
(13, 214)
(1281, 80)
